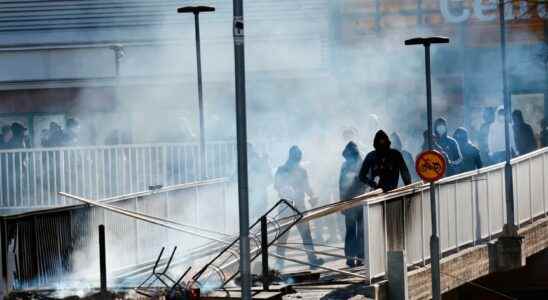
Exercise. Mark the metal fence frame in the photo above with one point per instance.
(471, 211)
(31, 178)
(41, 246)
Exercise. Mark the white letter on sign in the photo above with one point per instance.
(444, 5)
(480, 9)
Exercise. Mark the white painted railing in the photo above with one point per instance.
(471, 210)
(31, 178)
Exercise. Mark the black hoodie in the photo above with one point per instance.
(384, 163)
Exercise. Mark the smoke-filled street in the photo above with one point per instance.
(273, 149)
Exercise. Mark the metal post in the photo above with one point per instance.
(102, 259)
(434, 239)
(510, 226)
(200, 94)
(241, 134)
(264, 252)
(196, 10)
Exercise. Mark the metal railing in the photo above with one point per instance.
(57, 247)
(471, 207)
(31, 178)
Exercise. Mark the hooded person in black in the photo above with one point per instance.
(349, 187)
(382, 167)
(471, 158)
(449, 146)
(291, 183)
(523, 134)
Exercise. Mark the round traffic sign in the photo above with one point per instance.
(430, 165)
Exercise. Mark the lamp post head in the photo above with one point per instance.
(195, 9)
(427, 41)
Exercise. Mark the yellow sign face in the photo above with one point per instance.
(430, 166)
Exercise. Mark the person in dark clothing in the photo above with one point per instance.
(448, 145)
(488, 115)
(55, 136)
(407, 157)
(349, 187)
(523, 134)
(382, 167)
(543, 133)
(291, 183)
(19, 139)
(6, 137)
(471, 159)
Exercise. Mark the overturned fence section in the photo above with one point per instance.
(471, 210)
(31, 178)
(57, 248)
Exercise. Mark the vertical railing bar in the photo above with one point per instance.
(531, 213)
(456, 217)
(34, 179)
(97, 175)
(54, 166)
(544, 184)
(62, 175)
(20, 185)
(488, 208)
(2, 191)
(28, 168)
(70, 171)
(103, 172)
(422, 228)
(48, 175)
(384, 216)
(150, 178)
(131, 171)
(473, 188)
(185, 163)
(119, 172)
(164, 165)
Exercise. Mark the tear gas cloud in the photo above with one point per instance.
(307, 81)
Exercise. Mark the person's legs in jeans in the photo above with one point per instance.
(350, 238)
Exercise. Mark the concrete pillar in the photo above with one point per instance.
(397, 275)
(506, 254)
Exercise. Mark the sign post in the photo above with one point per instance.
(434, 239)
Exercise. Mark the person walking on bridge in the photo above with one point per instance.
(291, 183)
(349, 187)
(383, 166)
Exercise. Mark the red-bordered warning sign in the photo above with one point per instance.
(430, 166)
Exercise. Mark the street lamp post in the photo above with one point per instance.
(434, 239)
(241, 137)
(196, 10)
(510, 228)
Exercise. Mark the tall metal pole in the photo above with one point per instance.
(200, 95)
(510, 228)
(196, 10)
(434, 239)
(241, 134)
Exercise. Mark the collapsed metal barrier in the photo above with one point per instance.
(226, 262)
(40, 248)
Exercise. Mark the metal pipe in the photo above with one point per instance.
(102, 259)
(264, 252)
(510, 226)
(241, 138)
